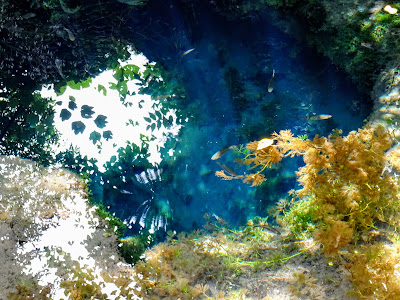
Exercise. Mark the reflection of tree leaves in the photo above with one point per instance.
(61, 90)
(72, 105)
(123, 88)
(65, 114)
(87, 111)
(140, 103)
(59, 102)
(101, 88)
(118, 74)
(166, 122)
(112, 86)
(79, 85)
(95, 137)
(100, 121)
(14, 102)
(38, 106)
(107, 135)
(32, 119)
(78, 127)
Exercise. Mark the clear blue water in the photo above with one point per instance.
(227, 103)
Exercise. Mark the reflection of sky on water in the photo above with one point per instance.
(125, 122)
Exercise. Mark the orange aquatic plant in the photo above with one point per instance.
(263, 154)
(349, 199)
(344, 178)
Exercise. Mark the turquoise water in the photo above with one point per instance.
(225, 78)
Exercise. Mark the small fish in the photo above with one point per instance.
(316, 117)
(187, 52)
(28, 15)
(227, 169)
(271, 82)
(59, 63)
(221, 152)
(126, 192)
(71, 36)
(220, 220)
(268, 227)
(367, 45)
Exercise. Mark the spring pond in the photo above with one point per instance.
(222, 69)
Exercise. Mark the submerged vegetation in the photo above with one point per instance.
(210, 264)
(349, 199)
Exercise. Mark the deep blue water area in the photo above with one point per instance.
(226, 78)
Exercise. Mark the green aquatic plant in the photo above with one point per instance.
(296, 215)
(115, 224)
(132, 247)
